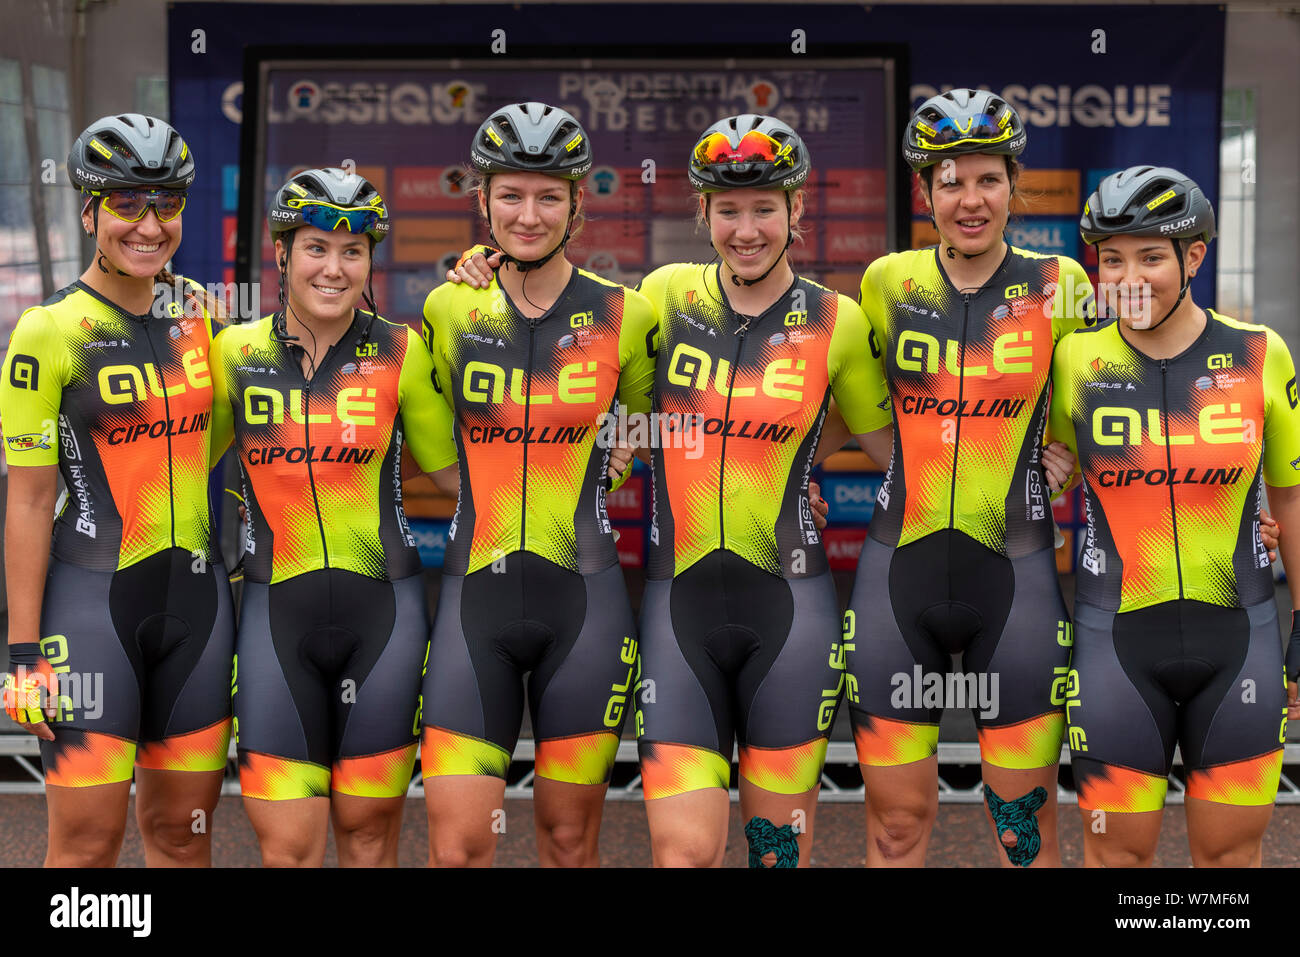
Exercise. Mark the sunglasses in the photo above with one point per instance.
(327, 216)
(753, 147)
(130, 205)
(977, 129)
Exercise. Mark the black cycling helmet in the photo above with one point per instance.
(748, 151)
(129, 151)
(331, 199)
(1150, 201)
(1147, 201)
(532, 138)
(962, 121)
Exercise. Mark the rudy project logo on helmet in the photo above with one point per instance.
(283, 216)
(580, 170)
(1178, 226)
(91, 177)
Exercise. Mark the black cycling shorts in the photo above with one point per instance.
(574, 635)
(143, 655)
(913, 608)
(327, 685)
(1202, 676)
(730, 650)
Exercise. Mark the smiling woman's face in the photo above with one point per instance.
(327, 271)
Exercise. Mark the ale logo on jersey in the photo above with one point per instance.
(263, 406)
(691, 367)
(25, 372)
(1220, 360)
(124, 383)
(1218, 424)
(1013, 352)
(487, 381)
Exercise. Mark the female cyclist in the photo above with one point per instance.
(739, 624)
(126, 622)
(1175, 419)
(531, 582)
(959, 558)
(333, 627)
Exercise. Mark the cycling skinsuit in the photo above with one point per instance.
(740, 624)
(136, 612)
(1176, 635)
(333, 627)
(959, 558)
(531, 580)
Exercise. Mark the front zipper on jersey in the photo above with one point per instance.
(311, 477)
(1169, 461)
(167, 414)
(739, 332)
(306, 432)
(528, 397)
(961, 381)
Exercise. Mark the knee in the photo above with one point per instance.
(284, 853)
(570, 843)
(1117, 855)
(457, 854)
(86, 847)
(901, 829)
(173, 835)
(687, 851)
(1229, 857)
(365, 843)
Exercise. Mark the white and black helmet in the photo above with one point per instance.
(1147, 201)
(532, 138)
(130, 151)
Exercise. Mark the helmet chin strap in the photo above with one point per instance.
(1184, 281)
(789, 238)
(94, 216)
